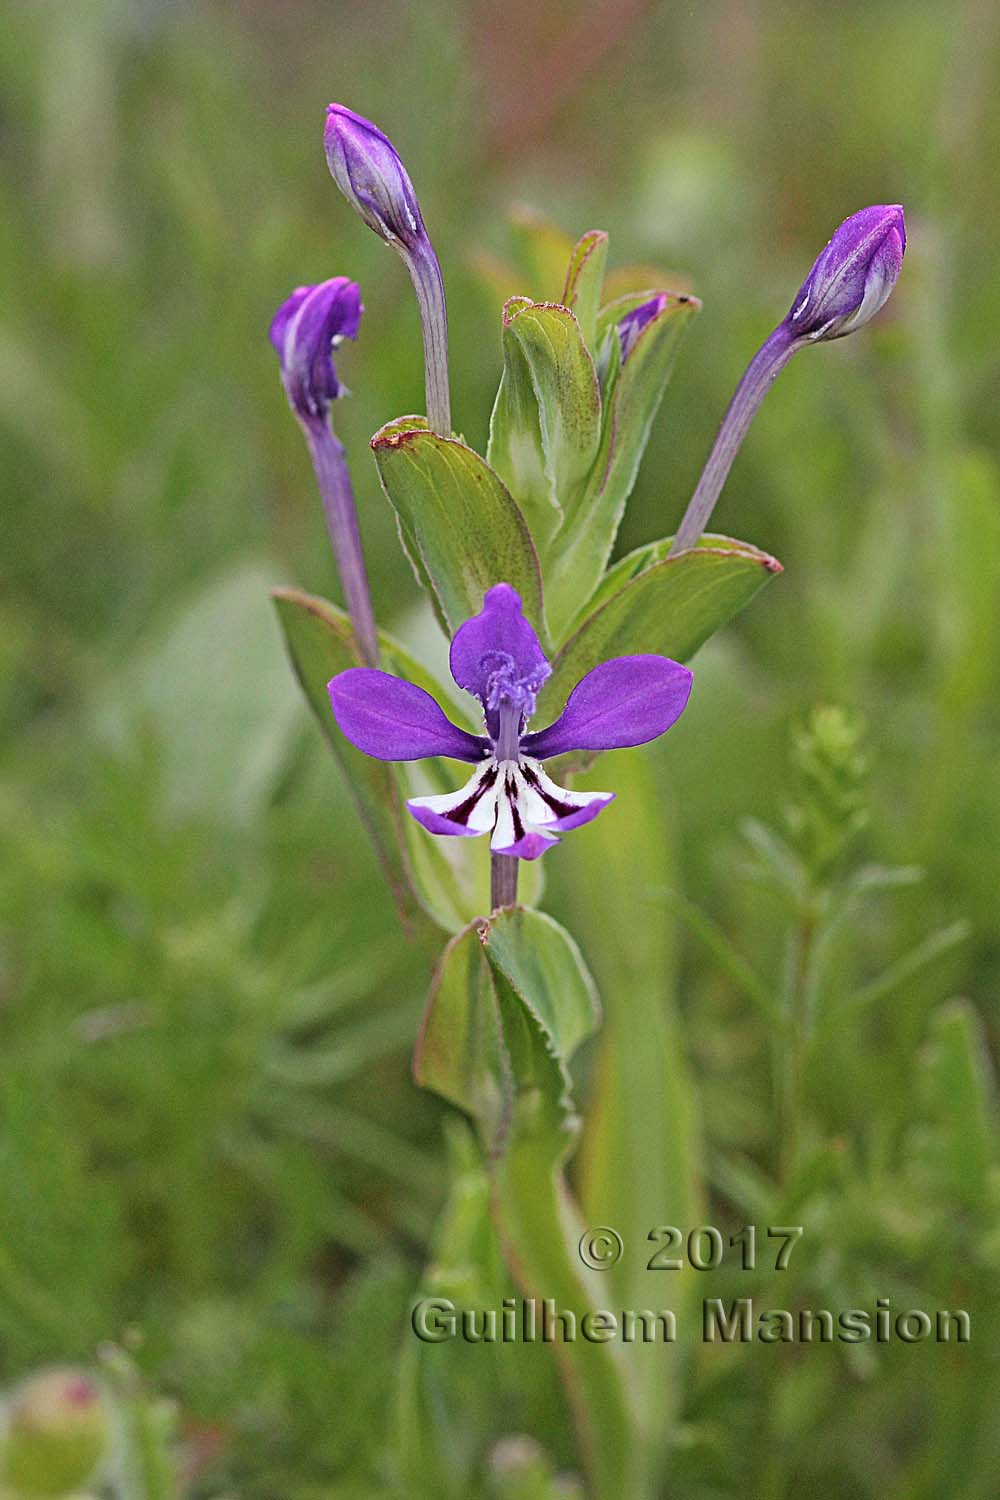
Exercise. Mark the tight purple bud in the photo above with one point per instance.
(367, 168)
(852, 277)
(304, 331)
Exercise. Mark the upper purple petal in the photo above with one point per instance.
(632, 324)
(496, 655)
(304, 331)
(392, 719)
(626, 701)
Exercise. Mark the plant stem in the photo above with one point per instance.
(425, 273)
(334, 482)
(757, 380)
(503, 880)
(795, 1038)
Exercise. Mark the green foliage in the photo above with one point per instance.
(458, 522)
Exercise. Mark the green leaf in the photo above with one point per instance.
(960, 1092)
(669, 608)
(458, 521)
(585, 282)
(517, 969)
(546, 422)
(631, 395)
(321, 643)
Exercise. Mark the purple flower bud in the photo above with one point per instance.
(852, 277)
(304, 331)
(630, 327)
(366, 167)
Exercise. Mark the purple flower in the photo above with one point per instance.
(852, 277)
(496, 657)
(630, 327)
(304, 331)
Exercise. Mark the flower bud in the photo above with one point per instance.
(366, 167)
(304, 331)
(852, 277)
(57, 1432)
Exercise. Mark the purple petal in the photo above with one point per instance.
(633, 323)
(392, 719)
(496, 655)
(626, 701)
(304, 331)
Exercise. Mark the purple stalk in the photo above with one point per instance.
(757, 380)
(334, 480)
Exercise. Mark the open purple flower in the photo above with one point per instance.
(496, 657)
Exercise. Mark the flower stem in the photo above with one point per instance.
(425, 273)
(503, 880)
(334, 483)
(757, 380)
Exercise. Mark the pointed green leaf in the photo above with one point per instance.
(669, 609)
(585, 282)
(458, 519)
(631, 394)
(473, 1048)
(546, 422)
(320, 642)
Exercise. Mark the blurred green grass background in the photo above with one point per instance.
(208, 1129)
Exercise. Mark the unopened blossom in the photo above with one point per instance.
(496, 656)
(852, 277)
(305, 330)
(369, 171)
(849, 281)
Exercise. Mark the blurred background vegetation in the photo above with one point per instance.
(210, 1146)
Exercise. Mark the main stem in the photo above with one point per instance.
(757, 380)
(503, 880)
(428, 284)
(342, 523)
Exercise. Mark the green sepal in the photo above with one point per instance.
(545, 429)
(666, 606)
(585, 282)
(631, 394)
(459, 524)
